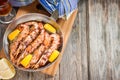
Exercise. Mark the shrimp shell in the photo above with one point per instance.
(16, 42)
(38, 52)
(36, 55)
(31, 47)
(44, 58)
(26, 42)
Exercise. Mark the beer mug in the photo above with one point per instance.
(7, 13)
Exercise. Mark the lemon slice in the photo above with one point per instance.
(7, 71)
(50, 28)
(53, 56)
(13, 34)
(26, 60)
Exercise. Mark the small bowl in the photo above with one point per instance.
(25, 18)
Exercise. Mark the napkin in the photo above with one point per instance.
(63, 7)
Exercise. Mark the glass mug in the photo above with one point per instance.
(7, 13)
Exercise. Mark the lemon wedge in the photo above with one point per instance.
(53, 56)
(7, 71)
(13, 34)
(26, 60)
(50, 28)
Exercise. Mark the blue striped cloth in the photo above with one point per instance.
(64, 7)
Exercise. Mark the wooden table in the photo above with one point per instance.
(93, 49)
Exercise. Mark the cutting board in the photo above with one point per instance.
(66, 26)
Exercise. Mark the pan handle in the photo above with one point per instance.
(54, 15)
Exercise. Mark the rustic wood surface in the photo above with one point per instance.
(104, 39)
(93, 48)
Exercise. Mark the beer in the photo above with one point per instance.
(5, 7)
(7, 13)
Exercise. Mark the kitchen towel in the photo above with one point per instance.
(64, 7)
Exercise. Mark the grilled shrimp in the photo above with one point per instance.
(32, 23)
(38, 52)
(31, 47)
(26, 42)
(32, 35)
(16, 42)
(44, 58)
(47, 40)
(40, 25)
(36, 55)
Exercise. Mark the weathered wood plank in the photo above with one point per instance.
(104, 29)
(37, 76)
(2, 30)
(113, 39)
(74, 63)
(20, 75)
(56, 77)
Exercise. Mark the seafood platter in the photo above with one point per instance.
(33, 42)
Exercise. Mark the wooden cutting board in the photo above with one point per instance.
(66, 26)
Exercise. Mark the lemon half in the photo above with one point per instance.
(7, 71)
